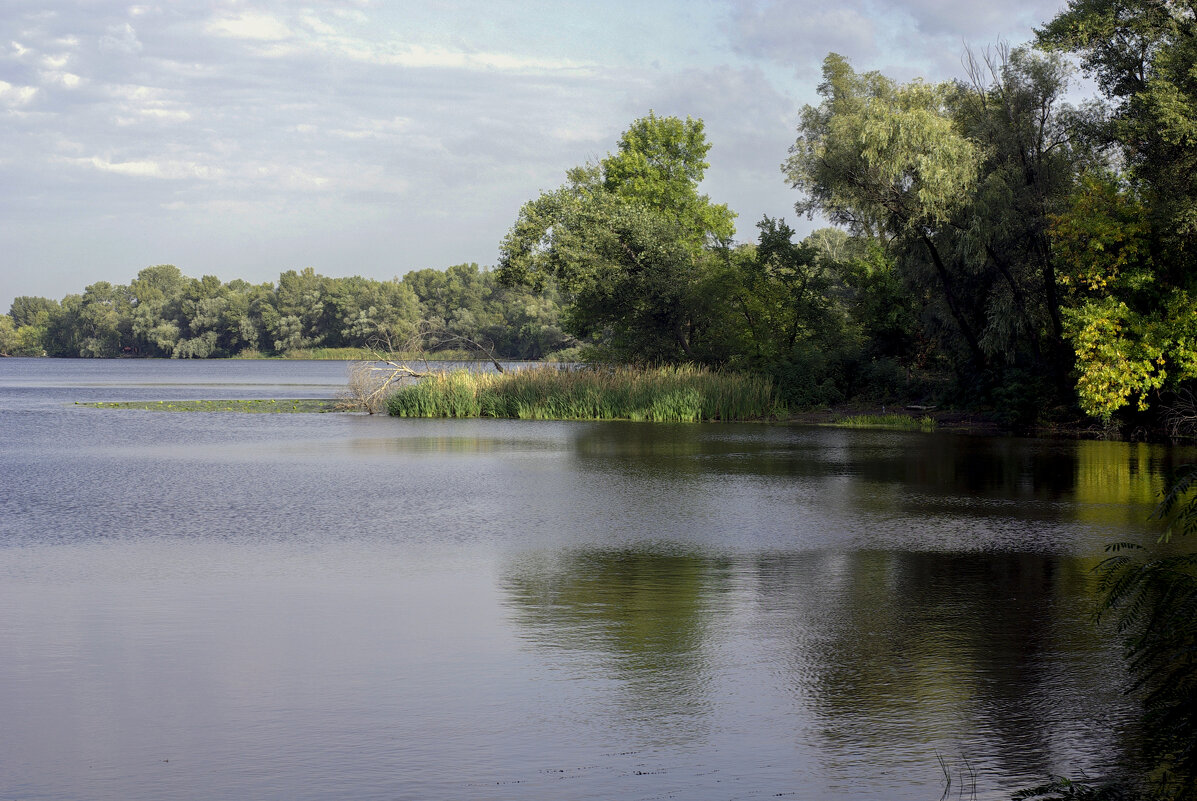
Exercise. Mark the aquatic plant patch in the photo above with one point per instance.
(293, 405)
(891, 422)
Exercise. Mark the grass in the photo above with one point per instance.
(891, 422)
(307, 405)
(666, 394)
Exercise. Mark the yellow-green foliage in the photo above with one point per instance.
(1123, 355)
(667, 394)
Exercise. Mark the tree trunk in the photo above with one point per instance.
(965, 330)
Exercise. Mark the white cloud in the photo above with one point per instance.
(16, 95)
(145, 168)
(369, 129)
(170, 114)
(261, 27)
(972, 19)
(145, 103)
(67, 80)
(282, 176)
(121, 39)
(418, 56)
(414, 56)
(579, 131)
(318, 25)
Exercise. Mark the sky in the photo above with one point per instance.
(245, 138)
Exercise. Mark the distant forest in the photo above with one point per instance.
(163, 313)
(993, 246)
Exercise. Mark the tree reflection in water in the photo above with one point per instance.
(862, 662)
(638, 617)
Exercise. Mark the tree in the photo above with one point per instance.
(155, 292)
(956, 181)
(886, 160)
(1133, 334)
(8, 336)
(1128, 239)
(298, 311)
(29, 310)
(629, 242)
(102, 320)
(366, 312)
(780, 294)
(30, 317)
(1141, 52)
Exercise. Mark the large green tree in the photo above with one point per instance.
(630, 242)
(956, 181)
(1128, 239)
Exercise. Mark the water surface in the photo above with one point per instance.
(343, 606)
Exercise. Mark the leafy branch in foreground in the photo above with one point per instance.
(1155, 600)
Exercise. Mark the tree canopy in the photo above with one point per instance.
(629, 240)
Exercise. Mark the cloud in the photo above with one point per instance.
(800, 35)
(121, 39)
(249, 25)
(12, 96)
(67, 80)
(381, 137)
(976, 19)
(903, 38)
(368, 128)
(147, 168)
(136, 104)
(415, 56)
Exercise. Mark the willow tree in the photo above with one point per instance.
(886, 161)
(630, 243)
(957, 181)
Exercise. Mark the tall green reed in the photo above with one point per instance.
(666, 394)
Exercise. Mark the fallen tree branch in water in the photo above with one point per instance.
(370, 384)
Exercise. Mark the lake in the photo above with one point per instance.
(315, 606)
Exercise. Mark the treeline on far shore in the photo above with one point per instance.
(164, 313)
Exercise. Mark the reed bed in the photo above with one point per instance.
(667, 394)
(892, 422)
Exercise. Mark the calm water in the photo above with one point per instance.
(202, 606)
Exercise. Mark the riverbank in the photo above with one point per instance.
(963, 421)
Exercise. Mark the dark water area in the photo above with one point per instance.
(301, 606)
